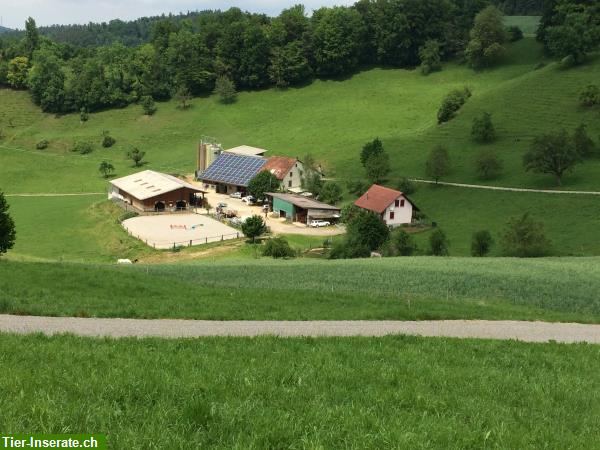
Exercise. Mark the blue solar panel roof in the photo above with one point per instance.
(230, 168)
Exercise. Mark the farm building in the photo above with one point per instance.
(231, 172)
(298, 208)
(246, 150)
(155, 191)
(393, 206)
(289, 171)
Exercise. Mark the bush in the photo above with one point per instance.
(514, 33)
(452, 103)
(488, 165)
(483, 130)
(584, 145)
(438, 243)
(82, 147)
(525, 238)
(367, 228)
(590, 96)
(431, 57)
(148, 105)
(402, 243)
(348, 212)
(83, 115)
(278, 248)
(42, 145)
(481, 243)
(349, 250)
(406, 186)
(107, 140)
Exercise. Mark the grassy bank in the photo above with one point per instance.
(400, 392)
(396, 288)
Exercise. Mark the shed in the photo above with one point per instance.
(299, 208)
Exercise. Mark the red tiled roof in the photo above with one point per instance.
(377, 198)
(280, 166)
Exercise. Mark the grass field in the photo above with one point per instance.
(395, 392)
(396, 288)
(332, 120)
(528, 24)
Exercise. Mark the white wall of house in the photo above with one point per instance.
(399, 212)
(293, 179)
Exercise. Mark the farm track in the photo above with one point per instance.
(472, 329)
(500, 188)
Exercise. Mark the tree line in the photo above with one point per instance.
(251, 50)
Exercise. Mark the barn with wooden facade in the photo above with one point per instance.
(154, 191)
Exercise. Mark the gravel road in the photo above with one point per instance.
(482, 329)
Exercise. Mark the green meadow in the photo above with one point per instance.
(417, 288)
(226, 393)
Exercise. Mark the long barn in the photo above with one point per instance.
(154, 191)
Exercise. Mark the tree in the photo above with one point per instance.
(481, 244)
(7, 227)
(262, 183)
(357, 188)
(524, 237)
(289, 65)
(488, 165)
(370, 149)
(106, 169)
(590, 96)
(18, 69)
(278, 247)
(514, 33)
(46, 81)
(32, 37)
(402, 242)
(378, 167)
(366, 228)
(438, 243)
(553, 154)
(487, 37)
(136, 156)
(148, 105)
(183, 97)
(584, 145)
(431, 57)
(577, 34)
(312, 181)
(483, 130)
(225, 89)
(107, 140)
(438, 163)
(254, 227)
(331, 193)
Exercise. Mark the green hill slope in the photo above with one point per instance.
(332, 120)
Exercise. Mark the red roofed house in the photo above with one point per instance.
(393, 206)
(287, 170)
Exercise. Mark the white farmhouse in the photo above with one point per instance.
(393, 206)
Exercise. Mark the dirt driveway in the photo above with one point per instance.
(180, 229)
(277, 226)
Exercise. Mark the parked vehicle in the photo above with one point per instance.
(222, 205)
(319, 223)
(249, 200)
(237, 195)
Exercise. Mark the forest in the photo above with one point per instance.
(186, 55)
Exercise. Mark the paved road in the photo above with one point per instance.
(500, 188)
(523, 331)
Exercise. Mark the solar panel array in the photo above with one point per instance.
(234, 169)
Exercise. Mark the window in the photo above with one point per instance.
(402, 203)
(291, 174)
(290, 183)
(397, 203)
(392, 215)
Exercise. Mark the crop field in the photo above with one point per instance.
(558, 289)
(303, 393)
